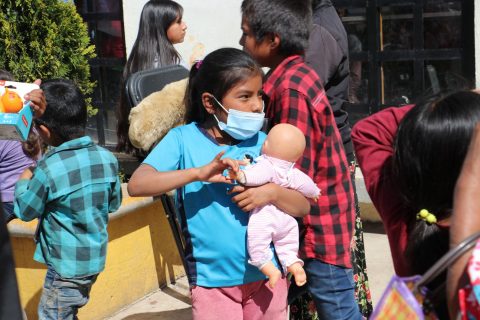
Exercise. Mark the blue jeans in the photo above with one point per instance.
(332, 289)
(62, 297)
(8, 211)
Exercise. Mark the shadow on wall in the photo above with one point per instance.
(161, 237)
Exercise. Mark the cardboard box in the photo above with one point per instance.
(16, 126)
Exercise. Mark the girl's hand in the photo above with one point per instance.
(234, 172)
(213, 172)
(249, 198)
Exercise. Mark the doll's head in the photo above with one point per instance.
(284, 141)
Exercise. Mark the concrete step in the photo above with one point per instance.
(171, 302)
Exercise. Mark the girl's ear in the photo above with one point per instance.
(44, 131)
(207, 102)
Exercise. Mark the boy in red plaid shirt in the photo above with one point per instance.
(275, 33)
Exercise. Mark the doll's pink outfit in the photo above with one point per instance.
(268, 224)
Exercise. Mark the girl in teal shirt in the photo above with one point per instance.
(224, 118)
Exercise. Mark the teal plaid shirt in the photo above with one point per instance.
(73, 189)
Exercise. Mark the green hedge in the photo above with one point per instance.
(45, 39)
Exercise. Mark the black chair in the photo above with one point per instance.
(137, 87)
(143, 83)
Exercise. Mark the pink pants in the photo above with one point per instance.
(252, 301)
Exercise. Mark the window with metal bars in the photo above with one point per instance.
(105, 26)
(401, 51)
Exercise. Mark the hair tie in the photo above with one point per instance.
(198, 64)
(426, 216)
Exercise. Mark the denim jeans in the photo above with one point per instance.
(332, 289)
(62, 297)
(8, 211)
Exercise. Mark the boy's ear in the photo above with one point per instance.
(208, 103)
(275, 41)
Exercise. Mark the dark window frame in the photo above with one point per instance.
(372, 54)
(375, 57)
(99, 63)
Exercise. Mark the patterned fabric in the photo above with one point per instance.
(362, 287)
(270, 169)
(295, 96)
(468, 303)
(72, 190)
(359, 262)
(304, 307)
(469, 296)
(269, 223)
(398, 301)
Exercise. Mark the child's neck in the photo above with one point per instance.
(275, 61)
(220, 137)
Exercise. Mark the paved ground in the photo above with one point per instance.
(173, 302)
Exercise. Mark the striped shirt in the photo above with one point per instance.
(295, 95)
(72, 190)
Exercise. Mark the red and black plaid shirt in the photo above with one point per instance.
(296, 96)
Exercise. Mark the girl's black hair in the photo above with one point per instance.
(152, 46)
(290, 20)
(216, 74)
(151, 49)
(431, 143)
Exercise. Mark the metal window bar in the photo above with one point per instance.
(418, 55)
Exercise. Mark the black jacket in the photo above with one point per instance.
(9, 301)
(327, 54)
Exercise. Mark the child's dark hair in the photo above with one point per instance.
(152, 45)
(290, 20)
(216, 74)
(6, 75)
(430, 147)
(151, 49)
(66, 112)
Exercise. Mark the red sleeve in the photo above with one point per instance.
(373, 139)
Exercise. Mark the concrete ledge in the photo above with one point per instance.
(18, 228)
(367, 209)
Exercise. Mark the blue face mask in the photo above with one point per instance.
(241, 125)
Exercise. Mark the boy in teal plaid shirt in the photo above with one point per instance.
(72, 190)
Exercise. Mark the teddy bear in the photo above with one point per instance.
(155, 115)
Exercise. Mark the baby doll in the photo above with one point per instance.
(284, 145)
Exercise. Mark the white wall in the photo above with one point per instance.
(212, 24)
